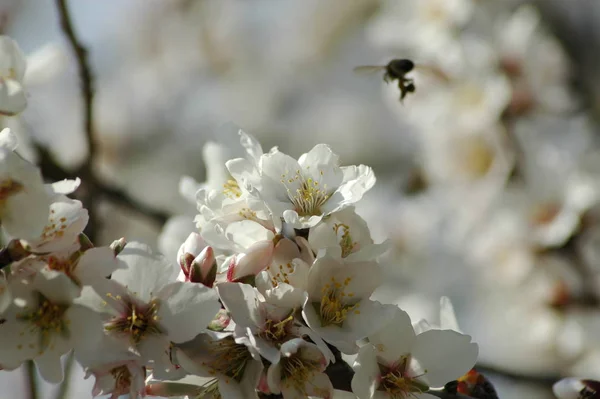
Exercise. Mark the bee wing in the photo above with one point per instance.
(433, 70)
(365, 69)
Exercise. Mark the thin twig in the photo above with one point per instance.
(30, 379)
(53, 171)
(86, 78)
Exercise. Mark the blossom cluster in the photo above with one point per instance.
(274, 286)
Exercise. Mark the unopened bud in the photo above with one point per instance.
(188, 251)
(255, 260)
(84, 243)
(203, 268)
(220, 322)
(118, 245)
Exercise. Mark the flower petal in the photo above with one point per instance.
(444, 355)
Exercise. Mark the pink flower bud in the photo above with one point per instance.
(203, 268)
(255, 260)
(189, 250)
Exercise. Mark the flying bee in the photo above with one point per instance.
(397, 69)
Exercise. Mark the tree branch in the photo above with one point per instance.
(85, 76)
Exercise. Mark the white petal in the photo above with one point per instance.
(364, 382)
(98, 263)
(447, 316)
(66, 186)
(395, 339)
(444, 355)
(242, 301)
(12, 97)
(186, 309)
(8, 139)
(252, 146)
(146, 272)
(85, 326)
(56, 286)
(50, 367)
(568, 388)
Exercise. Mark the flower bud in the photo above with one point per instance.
(118, 245)
(221, 321)
(189, 250)
(255, 260)
(203, 268)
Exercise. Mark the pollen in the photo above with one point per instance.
(232, 189)
(46, 320)
(398, 383)
(228, 358)
(309, 197)
(345, 239)
(297, 370)
(336, 302)
(137, 320)
(277, 331)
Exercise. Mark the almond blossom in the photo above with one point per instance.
(303, 192)
(399, 363)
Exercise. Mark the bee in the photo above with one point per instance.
(397, 69)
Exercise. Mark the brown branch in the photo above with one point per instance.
(85, 76)
(52, 171)
(85, 171)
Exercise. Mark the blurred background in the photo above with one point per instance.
(488, 175)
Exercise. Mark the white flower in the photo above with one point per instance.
(83, 268)
(299, 371)
(235, 366)
(146, 309)
(116, 372)
(267, 321)
(348, 233)
(399, 363)
(43, 323)
(290, 265)
(12, 71)
(303, 192)
(24, 203)
(338, 307)
(67, 220)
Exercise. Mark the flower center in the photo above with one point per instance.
(309, 198)
(336, 302)
(232, 189)
(229, 358)
(296, 370)
(277, 331)
(137, 320)
(54, 229)
(8, 188)
(122, 377)
(346, 239)
(397, 383)
(66, 266)
(46, 320)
